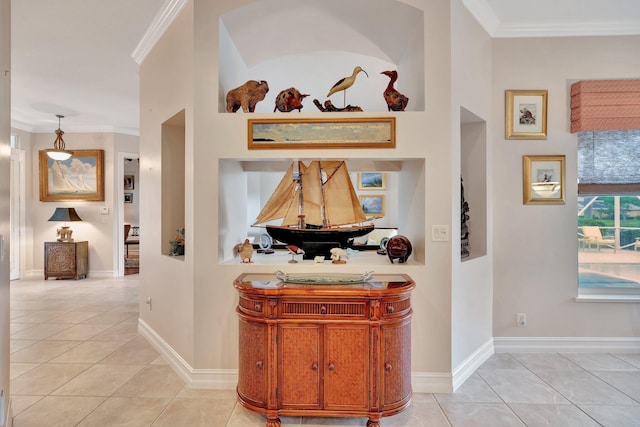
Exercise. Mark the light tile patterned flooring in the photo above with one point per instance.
(77, 360)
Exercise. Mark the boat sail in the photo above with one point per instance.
(318, 206)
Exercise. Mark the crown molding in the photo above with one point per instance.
(568, 29)
(76, 129)
(159, 25)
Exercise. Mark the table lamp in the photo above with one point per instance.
(65, 214)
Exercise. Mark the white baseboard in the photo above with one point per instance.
(464, 370)
(566, 344)
(8, 415)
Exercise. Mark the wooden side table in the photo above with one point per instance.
(324, 349)
(66, 260)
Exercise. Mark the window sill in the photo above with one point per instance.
(607, 298)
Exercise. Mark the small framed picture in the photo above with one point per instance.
(543, 180)
(372, 205)
(128, 197)
(128, 182)
(526, 114)
(371, 181)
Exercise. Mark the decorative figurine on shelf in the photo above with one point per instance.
(337, 255)
(345, 83)
(64, 234)
(394, 99)
(330, 108)
(294, 250)
(464, 229)
(399, 247)
(289, 100)
(177, 244)
(246, 96)
(244, 250)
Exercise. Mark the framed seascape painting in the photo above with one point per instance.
(370, 132)
(372, 205)
(81, 177)
(526, 114)
(543, 180)
(371, 181)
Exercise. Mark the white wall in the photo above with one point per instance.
(5, 150)
(535, 249)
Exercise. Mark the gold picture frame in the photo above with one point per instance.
(79, 178)
(543, 180)
(372, 181)
(369, 132)
(526, 114)
(372, 204)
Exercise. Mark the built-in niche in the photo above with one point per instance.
(310, 45)
(173, 179)
(473, 167)
(246, 185)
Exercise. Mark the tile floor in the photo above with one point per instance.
(77, 360)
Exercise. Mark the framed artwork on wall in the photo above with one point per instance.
(526, 114)
(81, 177)
(129, 183)
(371, 181)
(128, 197)
(372, 205)
(369, 132)
(543, 180)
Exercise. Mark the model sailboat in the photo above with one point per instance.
(318, 206)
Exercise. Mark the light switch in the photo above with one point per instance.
(104, 210)
(440, 233)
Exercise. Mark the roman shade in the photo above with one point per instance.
(605, 105)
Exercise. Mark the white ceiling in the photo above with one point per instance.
(74, 57)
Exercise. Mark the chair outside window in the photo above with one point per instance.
(593, 235)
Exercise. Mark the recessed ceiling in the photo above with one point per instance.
(74, 57)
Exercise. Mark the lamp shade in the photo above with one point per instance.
(65, 214)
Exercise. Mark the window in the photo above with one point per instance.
(609, 213)
(14, 141)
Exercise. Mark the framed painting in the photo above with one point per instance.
(543, 180)
(526, 114)
(371, 181)
(129, 183)
(128, 197)
(266, 134)
(372, 205)
(79, 178)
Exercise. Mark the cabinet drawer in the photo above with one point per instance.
(394, 308)
(252, 306)
(356, 309)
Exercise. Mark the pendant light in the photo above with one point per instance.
(58, 152)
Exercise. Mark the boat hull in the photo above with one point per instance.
(318, 241)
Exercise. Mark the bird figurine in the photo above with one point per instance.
(337, 255)
(395, 100)
(244, 250)
(294, 250)
(345, 83)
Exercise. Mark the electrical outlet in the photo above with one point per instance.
(522, 319)
(149, 302)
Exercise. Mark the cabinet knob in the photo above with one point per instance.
(388, 367)
(331, 367)
(259, 364)
(314, 367)
(258, 307)
(390, 309)
(323, 309)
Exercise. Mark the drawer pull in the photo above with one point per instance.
(390, 309)
(323, 309)
(331, 367)
(258, 307)
(259, 364)
(388, 367)
(314, 367)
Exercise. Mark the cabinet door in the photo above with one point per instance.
(252, 379)
(300, 359)
(60, 258)
(396, 363)
(346, 378)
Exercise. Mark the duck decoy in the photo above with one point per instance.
(394, 99)
(345, 83)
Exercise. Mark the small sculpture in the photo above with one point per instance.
(289, 100)
(337, 255)
(246, 96)
(294, 250)
(345, 83)
(64, 234)
(399, 247)
(394, 99)
(329, 107)
(244, 250)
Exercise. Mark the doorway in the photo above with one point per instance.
(129, 214)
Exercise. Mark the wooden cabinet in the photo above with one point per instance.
(66, 260)
(324, 350)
